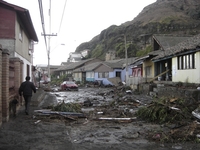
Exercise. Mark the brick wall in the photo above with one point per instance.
(0, 85)
(5, 85)
(16, 80)
(10, 80)
(17, 70)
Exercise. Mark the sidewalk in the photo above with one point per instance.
(21, 132)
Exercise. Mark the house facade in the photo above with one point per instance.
(185, 58)
(100, 71)
(86, 73)
(17, 34)
(185, 68)
(74, 57)
(75, 70)
(85, 52)
(161, 44)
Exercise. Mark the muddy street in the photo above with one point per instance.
(108, 122)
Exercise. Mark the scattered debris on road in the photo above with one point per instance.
(177, 117)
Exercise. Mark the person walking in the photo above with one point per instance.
(26, 88)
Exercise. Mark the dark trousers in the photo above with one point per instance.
(27, 99)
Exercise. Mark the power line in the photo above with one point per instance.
(62, 16)
(42, 21)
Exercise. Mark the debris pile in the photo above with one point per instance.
(165, 110)
(175, 116)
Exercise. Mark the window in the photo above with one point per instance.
(134, 73)
(187, 61)
(139, 73)
(90, 74)
(103, 75)
(30, 46)
(20, 34)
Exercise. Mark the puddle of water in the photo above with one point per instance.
(81, 96)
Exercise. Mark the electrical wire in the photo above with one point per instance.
(62, 15)
(42, 22)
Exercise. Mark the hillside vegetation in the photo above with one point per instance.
(177, 17)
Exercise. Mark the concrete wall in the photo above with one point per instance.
(8, 44)
(161, 90)
(21, 45)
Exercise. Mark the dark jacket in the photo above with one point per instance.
(27, 87)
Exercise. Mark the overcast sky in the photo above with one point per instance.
(82, 20)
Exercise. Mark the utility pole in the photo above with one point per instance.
(48, 54)
(49, 45)
(126, 59)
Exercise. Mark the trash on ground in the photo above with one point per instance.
(66, 107)
(37, 122)
(196, 113)
(118, 119)
(164, 110)
(174, 112)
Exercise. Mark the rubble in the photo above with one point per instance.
(118, 119)
(177, 118)
(196, 113)
(165, 110)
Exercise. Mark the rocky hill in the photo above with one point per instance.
(177, 17)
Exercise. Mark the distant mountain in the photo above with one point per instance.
(176, 17)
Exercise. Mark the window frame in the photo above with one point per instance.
(187, 61)
(103, 75)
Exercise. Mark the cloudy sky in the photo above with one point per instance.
(75, 22)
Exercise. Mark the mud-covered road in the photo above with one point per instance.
(35, 132)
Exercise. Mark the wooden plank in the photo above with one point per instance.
(158, 75)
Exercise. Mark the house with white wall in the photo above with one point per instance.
(74, 57)
(185, 60)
